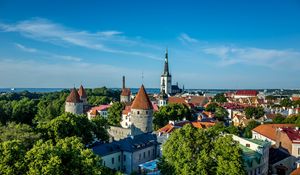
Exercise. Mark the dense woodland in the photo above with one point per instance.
(37, 137)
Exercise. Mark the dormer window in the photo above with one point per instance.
(138, 112)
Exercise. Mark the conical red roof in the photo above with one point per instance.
(81, 92)
(141, 100)
(73, 97)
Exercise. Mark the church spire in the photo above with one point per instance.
(166, 68)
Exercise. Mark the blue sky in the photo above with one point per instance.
(212, 44)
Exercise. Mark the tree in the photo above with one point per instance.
(248, 129)
(5, 111)
(254, 112)
(67, 156)
(220, 98)
(286, 102)
(12, 154)
(211, 107)
(100, 128)
(221, 113)
(278, 119)
(115, 114)
(23, 111)
(21, 132)
(68, 125)
(196, 151)
(174, 112)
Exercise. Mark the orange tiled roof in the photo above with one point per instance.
(73, 97)
(178, 100)
(198, 100)
(269, 130)
(295, 172)
(197, 124)
(141, 100)
(81, 92)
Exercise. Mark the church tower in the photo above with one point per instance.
(141, 113)
(125, 94)
(166, 78)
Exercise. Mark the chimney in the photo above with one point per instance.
(298, 163)
(123, 82)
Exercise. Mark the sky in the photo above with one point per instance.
(211, 44)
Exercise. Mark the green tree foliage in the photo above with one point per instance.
(175, 112)
(220, 98)
(251, 125)
(23, 111)
(50, 106)
(254, 112)
(196, 151)
(100, 127)
(115, 114)
(68, 125)
(221, 113)
(278, 119)
(67, 156)
(12, 154)
(211, 107)
(5, 111)
(21, 132)
(98, 100)
(286, 102)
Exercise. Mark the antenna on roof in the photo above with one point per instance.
(143, 77)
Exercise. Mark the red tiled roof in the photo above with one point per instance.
(81, 92)
(125, 92)
(101, 107)
(295, 98)
(233, 106)
(93, 112)
(292, 133)
(126, 110)
(247, 92)
(141, 100)
(269, 130)
(73, 97)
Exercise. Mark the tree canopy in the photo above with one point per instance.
(254, 112)
(115, 114)
(196, 151)
(220, 98)
(68, 125)
(174, 112)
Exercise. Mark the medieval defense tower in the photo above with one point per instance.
(141, 113)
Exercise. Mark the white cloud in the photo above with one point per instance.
(273, 58)
(185, 38)
(106, 41)
(26, 49)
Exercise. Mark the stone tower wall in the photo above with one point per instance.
(75, 108)
(141, 121)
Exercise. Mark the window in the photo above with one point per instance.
(140, 156)
(247, 145)
(144, 155)
(148, 153)
(153, 152)
(103, 163)
(112, 160)
(138, 112)
(298, 151)
(119, 158)
(146, 112)
(124, 158)
(118, 168)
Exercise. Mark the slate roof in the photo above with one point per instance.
(128, 144)
(142, 100)
(276, 155)
(73, 97)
